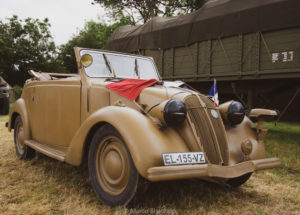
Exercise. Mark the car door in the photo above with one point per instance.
(55, 111)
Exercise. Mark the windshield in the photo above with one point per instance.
(119, 66)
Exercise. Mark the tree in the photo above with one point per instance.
(25, 45)
(143, 10)
(93, 35)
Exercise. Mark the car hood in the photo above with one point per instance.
(152, 96)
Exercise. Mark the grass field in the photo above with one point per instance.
(47, 186)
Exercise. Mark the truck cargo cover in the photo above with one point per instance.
(216, 19)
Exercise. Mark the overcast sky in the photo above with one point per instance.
(65, 16)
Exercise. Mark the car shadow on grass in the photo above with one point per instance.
(68, 175)
(190, 194)
(178, 195)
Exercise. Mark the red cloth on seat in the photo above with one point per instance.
(131, 88)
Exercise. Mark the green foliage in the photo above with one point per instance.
(93, 35)
(143, 10)
(25, 44)
(18, 91)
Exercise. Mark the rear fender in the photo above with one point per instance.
(145, 141)
(19, 108)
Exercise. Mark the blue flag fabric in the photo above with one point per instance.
(213, 93)
(213, 90)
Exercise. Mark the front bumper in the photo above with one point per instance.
(210, 170)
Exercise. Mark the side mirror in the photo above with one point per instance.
(86, 60)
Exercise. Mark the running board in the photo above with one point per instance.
(53, 153)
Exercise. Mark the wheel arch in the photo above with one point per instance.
(236, 135)
(13, 119)
(89, 138)
(145, 141)
(19, 109)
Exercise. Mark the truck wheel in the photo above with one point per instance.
(23, 151)
(238, 181)
(1, 106)
(5, 108)
(113, 175)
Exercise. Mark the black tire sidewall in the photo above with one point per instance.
(28, 152)
(238, 181)
(126, 196)
(6, 106)
(1, 106)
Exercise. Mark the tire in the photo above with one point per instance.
(1, 106)
(113, 175)
(238, 181)
(23, 151)
(4, 106)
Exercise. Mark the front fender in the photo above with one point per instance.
(246, 130)
(145, 141)
(19, 108)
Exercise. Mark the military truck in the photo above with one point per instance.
(250, 47)
(4, 97)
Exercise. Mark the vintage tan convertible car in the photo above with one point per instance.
(129, 125)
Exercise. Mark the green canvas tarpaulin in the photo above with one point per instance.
(216, 19)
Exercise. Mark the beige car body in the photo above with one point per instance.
(61, 112)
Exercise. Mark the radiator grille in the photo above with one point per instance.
(211, 135)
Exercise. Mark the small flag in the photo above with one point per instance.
(213, 93)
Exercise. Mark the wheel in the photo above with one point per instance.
(4, 106)
(238, 181)
(23, 151)
(113, 175)
(1, 106)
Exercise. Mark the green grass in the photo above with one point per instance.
(47, 186)
(283, 141)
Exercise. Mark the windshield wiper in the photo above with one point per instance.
(109, 66)
(137, 72)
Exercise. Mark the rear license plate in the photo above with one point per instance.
(183, 158)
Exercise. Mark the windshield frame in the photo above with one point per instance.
(104, 52)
